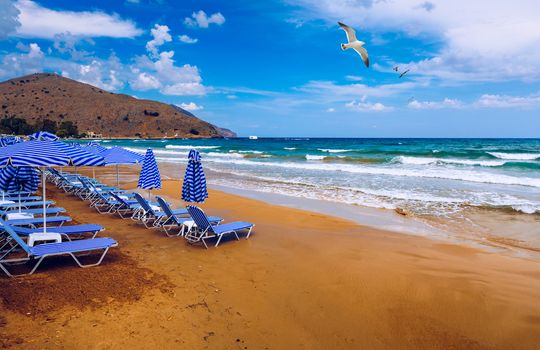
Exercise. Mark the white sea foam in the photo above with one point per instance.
(191, 147)
(427, 160)
(330, 150)
(289, 148)
(515, 156)
(442, 173)
(312, 157)
(254, 152)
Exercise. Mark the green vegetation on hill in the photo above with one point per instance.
(19, 126)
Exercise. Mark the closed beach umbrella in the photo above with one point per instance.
(149, 178)
(120, 156)
(194, 186)
(43, 136)
(19, 179)
(44, 154)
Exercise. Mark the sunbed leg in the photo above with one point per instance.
(90, 265)
(219, 239)
(249, 232)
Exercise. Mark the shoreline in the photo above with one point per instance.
(302, 280)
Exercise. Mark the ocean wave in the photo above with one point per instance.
(289, 148)
(191, 147)
(515, 156)
(427, 161)
(448, 174)
(313, 157)
(330, 150)
(248, 151)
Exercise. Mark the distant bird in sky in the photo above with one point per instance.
(404, 72)
(354, 43)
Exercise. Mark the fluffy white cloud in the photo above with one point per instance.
(187, 39)
(482, 40)
(331, 110)
(160, 35)
(192, 106)
(201, 20)
(8, 18)
(365, 106)
(446, 103)
(182, 80)
(40, 22)
(145, 81)
(30, 61)
(505, 101)
(98, 72)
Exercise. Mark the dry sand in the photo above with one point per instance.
(302, 281)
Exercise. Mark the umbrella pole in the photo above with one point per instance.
(116, 175)
(19, 201)
(44, 185)
(94, 172)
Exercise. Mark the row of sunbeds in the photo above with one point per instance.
(191, 222)
(22, 221)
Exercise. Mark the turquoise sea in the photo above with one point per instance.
(424, 176)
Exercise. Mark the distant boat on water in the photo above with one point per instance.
(253, 138)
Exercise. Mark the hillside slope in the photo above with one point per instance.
(54, 99)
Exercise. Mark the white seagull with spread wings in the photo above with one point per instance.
(354, 43)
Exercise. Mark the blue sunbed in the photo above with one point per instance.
(42, 251)
(206, 230)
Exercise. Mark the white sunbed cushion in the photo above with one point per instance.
(13, 216)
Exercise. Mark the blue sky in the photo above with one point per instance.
(275, 68)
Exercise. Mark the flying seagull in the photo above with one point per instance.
(354, 43)
(404, 72)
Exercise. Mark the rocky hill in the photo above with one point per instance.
(70, 107)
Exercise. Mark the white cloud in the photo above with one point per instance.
(482, 40)
(9, 21)
(365, 106)
(98, 73)
(40, 22)
(160, 35)
(232, 97)
(446, 103)
(505, 101)
(184, 89)
(192, 106)
(174, 80)
(145, 81)
(187, 39)
(15, 64)
(201, 20)
(354, 78)
(331, 110)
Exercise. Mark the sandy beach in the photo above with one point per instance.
(302, 281)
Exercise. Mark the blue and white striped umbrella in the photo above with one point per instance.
(149, 178)
(120, 156)
(19, 179)
(194, 186)
(43, 136)
(47, 153)
(10, 140)
(7, 174)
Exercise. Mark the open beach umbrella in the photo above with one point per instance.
(149, 177)
(194, 186)
(10, 140)
(43, 136)
(45, 154)
(120, 156)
